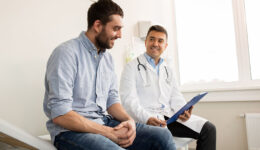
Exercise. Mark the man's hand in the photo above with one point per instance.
(186, 115)
(117, 135)
(117, 111)
(128, 138)
(156, 122)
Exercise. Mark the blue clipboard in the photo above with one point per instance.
(192, 102)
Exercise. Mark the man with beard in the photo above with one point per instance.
(149, 93)
(81, 96)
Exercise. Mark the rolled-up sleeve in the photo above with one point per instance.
(113, 94)
(60, 76)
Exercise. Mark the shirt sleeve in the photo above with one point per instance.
(113, 95)
(60, 76)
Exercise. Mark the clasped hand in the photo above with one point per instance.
(125, 133)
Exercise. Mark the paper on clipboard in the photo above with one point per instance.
(192, 102)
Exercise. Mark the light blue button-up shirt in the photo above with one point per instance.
(79, 79)
(152, 63)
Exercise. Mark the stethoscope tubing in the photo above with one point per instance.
(140, 64)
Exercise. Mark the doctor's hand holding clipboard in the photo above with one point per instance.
(185, 112)
(186, 115)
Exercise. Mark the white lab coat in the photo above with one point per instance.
(144, 93)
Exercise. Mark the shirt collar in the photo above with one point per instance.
(151, 60)
(88, 44)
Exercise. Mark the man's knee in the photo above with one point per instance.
(165, 133)
(165, 138)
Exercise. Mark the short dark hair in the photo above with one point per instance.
(157, 28)
(102, 10)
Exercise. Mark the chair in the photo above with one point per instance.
(182, 143)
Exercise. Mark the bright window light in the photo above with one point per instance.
(253, 24)
(206, 41)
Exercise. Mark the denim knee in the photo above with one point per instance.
(166, 139)
(84, 141)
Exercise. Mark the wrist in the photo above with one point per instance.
(107, 131)
(131, 119)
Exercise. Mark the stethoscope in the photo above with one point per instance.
(140, 64)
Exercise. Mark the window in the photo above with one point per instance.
(206, 41)
(217, 47)
(253, 24)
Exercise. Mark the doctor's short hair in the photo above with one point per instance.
(102, 10)
(157, 28)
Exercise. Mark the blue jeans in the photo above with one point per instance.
(147, 138)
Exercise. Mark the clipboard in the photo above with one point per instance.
(192, 102)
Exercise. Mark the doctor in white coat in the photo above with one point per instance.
(150, 95)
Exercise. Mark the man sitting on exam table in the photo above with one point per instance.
(149, 94)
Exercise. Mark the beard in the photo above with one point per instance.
(103, 40)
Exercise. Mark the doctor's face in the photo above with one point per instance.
(155, 43)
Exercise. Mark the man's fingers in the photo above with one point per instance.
(121, 125)
(118, 127)
(124, 141)
(127, 142)
(130, 133)
(123, 136)
(129, 126)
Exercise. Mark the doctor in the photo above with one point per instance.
(150, 95)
